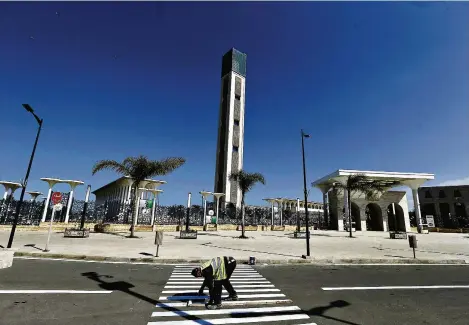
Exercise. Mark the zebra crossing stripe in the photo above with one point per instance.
(240, 290)
(237, 286)
(228, 303)
(260, 295)
(259, 301)
(237, 320)
(195, 281)
(225, 311)
(233, 276)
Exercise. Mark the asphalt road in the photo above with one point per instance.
(137, 288)
(303, 284)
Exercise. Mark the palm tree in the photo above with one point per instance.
(139, 169)
(358, 183)
(246, 182)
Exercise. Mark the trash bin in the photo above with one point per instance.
(214, 220)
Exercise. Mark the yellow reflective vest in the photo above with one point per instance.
(218, 267)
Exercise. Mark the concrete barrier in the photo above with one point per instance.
(6, 257)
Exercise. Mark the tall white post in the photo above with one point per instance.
(205, 210)
(418, 217)
(46, 206)
(298, 213)
(273, 213)
(69, 205)
(218, 197)
(153, 209)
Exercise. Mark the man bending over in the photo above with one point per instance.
(216, 273)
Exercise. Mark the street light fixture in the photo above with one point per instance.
(303, 136)
(25, 182)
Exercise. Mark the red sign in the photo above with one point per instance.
(56, 198)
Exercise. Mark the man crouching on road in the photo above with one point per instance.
(216, 273)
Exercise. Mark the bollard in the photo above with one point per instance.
(413, 242)
(158, 241)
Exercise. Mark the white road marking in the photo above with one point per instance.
(240, 290)
(232, 282)
(236, 286)
(237, 320)
(239, 272)
(54, 291)
(224, 311)
(229, 303)
(260, 295)
(397, 287)
(233, 276)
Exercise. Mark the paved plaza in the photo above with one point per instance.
(326, 246)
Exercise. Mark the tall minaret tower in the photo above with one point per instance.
(230, 146)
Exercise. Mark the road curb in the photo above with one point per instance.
(312, 261)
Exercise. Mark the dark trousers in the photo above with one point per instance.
(230, 266)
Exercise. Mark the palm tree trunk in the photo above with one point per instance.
(134, 209)
(242, 217)
(349, 215)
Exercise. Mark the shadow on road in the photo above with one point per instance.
(125, 287)
(33, 246)
(321, 310)
(420, 250)
(247, 250)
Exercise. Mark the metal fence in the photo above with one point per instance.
(31, 214)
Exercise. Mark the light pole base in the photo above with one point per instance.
(305, 257)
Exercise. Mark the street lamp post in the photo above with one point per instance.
(303, 136)
(25, 183)
(188, 211)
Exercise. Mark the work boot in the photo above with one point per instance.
(213, 306)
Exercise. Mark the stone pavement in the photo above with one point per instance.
(268, 247)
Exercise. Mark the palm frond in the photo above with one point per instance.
(246, 181)
(110, 165)
(165, 166)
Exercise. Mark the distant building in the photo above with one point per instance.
(447, 204)
(230, 144)
(386, 211)
(116, 195)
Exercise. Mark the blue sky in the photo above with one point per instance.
(379, 86)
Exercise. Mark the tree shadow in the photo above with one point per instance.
(247, 250)
(321, 310)
(126, 287)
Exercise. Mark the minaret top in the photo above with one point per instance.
(235, 61)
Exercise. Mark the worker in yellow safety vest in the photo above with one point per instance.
(216, 273)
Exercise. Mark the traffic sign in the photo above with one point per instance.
(56, 198)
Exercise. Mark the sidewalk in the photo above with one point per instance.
(267, 247)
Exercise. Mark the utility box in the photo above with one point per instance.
(412, 241)
(159, 238)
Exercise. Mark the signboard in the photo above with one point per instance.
(430, 221)
(56, 198)
(58, 207)
(211, 213)
(149, 204)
